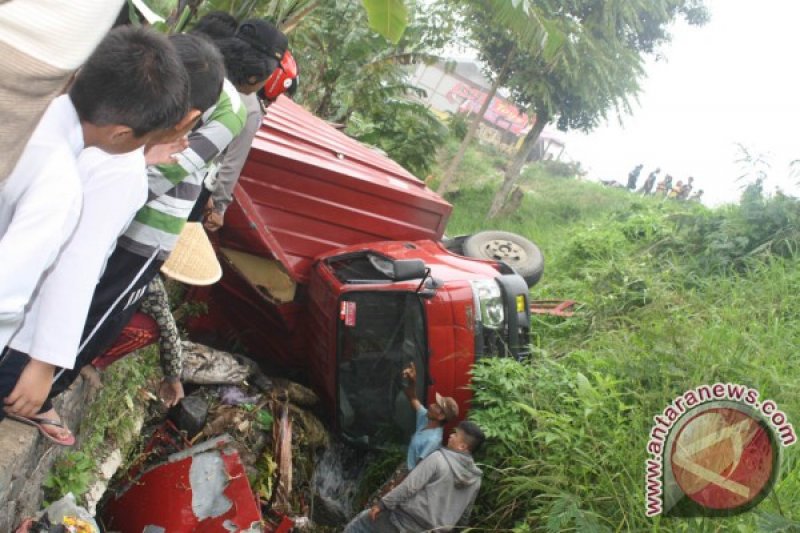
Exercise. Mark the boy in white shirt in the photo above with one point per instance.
(114, 188)
(131, 89)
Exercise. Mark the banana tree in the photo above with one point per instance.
(387, 17)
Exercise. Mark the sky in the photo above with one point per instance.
(734, 80)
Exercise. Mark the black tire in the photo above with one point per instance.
(514, 250)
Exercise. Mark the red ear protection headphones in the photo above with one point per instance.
(282, 78)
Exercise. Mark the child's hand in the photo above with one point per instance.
(31, 389)
(410, 373)
(164, 153)
(170, 391)
(214, 221)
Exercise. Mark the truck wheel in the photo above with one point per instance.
(514, 250)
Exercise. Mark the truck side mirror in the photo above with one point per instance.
(405, 269)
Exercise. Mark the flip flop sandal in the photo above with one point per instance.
(40, 423)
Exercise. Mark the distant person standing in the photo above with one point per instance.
(667, 184)
(675, 192)
(686, 189)
(664, 186)
(633, 176)
(649, 182)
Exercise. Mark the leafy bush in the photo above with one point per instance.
(407, 131)
(458, 124)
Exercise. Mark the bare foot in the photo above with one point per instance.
(58, 433)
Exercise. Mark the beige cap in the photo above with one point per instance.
(448, 405)
(193, 259)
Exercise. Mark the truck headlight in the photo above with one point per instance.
(490, 300)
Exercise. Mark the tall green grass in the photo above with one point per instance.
(671, 296)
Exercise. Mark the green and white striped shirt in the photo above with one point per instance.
(174, 189)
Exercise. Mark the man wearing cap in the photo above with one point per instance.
(436, 496)
(430, 422)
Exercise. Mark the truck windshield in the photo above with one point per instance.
(380, 334)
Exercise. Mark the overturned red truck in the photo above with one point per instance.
(334, 266)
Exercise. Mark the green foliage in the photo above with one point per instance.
(347, 68)
(379, 469)
(264, 420)
(573, 63)
(72, 472)
(480, 166)
(108, 422)
(458, 124)
(353, 76)
(387, 17)
(263, 481)
(551, 167)
(407, 131)
(671, 296)
(279, 12)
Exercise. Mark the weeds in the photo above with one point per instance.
(108, 422)
(672, 295)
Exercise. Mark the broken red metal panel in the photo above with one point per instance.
(202, 489)
(563, 308)
(284, 525)
(307, 189)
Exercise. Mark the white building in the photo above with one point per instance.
(461, 87)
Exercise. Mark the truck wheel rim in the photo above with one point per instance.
(503, 250)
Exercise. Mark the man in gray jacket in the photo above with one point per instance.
(437, 494)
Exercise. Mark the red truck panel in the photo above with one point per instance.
(307, 188)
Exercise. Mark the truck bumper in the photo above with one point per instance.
(518, 314)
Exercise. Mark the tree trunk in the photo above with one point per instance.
(447, 178)
(512, 173)
(513, 203)
(324, 103)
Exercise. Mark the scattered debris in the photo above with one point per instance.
(562, 308)
(282, 450)
(62, 515)
(233, 395)
(190, 415)
(257, 477)
(206, 366)
(298, 394)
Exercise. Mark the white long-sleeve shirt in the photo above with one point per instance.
(39, 208)
(114, 188)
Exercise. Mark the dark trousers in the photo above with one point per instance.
(12, 363)
(121, 288)
(199, 209)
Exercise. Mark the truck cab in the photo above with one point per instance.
(397, 303)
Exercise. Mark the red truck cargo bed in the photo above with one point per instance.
(307, 188)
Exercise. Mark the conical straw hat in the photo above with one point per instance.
(193, 260)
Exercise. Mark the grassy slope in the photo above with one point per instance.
(658, 317)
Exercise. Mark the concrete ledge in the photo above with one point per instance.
(27, 457)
